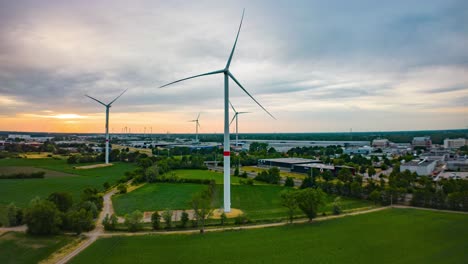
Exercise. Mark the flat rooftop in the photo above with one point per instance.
(418, 163)
(318, 166)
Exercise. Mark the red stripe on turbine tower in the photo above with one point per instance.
(227, 153)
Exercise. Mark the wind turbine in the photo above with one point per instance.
(108, 106)
(197, 125)
(227, 154)
(236, 117)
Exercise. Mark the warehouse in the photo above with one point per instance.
(285, 163)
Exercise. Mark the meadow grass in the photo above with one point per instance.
(204, 175)
(388, 236)
(21, 191)
(257, 201)
(22, 248)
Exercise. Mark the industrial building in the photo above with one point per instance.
(454, 143)
(285, 163)
(301, 165)
(422, 168)
(380, 143)
(458, 165)
(424, 142)
(358, 151)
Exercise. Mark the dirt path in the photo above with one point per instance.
(13, 229)
(107, 209)
(429, 209)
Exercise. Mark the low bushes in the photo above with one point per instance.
(22, 175)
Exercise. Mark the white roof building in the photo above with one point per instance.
(422, 168)
(454, 143)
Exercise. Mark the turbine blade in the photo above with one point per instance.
(235, 42)
(244, 113)
(95, 100)
(118, 96)
(236, 81)
(232, 120)
(204, 74)
(198, 116)
(232, 107)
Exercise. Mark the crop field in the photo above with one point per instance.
(27, 169)
(21, 191)
(21, 248)
(257, 201)
(388, 236)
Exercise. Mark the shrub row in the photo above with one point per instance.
(22, 175)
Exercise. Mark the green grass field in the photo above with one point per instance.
(389, 236)
(21, 191)
(158, 196)
(21, 248)
(204, 175)
(257, 201)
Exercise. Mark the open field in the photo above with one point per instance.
(132, 149)
(21, 248)
(282, 173)
(157, 196)
(388, 236)
(205, 175)
(257, 201)
(21, 191)
(28, 169)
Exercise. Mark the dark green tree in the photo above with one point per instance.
(62, 200)
(43, 218)
(289, 200)
(309, 200)
(156, 220)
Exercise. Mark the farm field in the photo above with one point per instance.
(21, 248)
(388, 236)
(21, 191)
(257, 201)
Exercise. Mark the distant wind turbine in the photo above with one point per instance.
(227, 154)
(236, 117)
(197, 125)
(108, 106)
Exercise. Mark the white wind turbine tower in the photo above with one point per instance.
(236, 117)
(108, 106)
(227, 154)
(197, 125)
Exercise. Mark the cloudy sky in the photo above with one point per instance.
(318, 66)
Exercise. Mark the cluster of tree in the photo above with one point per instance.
(262, 149)
(157, 169)
(437, 136)
(307, 200)
(23, 175)
(314, 151)
(444, 194)
(15, 215)
(123, 155)
(59, 213)
(271, 176)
